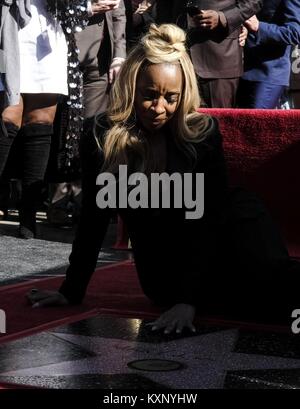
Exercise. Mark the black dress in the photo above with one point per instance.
(232, 258)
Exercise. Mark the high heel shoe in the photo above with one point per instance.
(25, 233)
(3, 214)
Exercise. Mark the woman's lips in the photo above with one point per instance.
(157, 120)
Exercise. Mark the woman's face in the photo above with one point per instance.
(158, 93)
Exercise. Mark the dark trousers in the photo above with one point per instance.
(218, 92)
(259, 95)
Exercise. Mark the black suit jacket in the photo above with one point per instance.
(217, 53)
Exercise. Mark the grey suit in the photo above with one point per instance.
(101, 41)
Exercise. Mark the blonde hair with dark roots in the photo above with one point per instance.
(162, 44)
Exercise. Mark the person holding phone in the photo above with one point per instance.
(214, 28)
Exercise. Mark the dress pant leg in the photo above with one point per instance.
(95, 58)
(95, 94)
(219, 92)
(259, 95)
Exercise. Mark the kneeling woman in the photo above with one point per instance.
(231, 255)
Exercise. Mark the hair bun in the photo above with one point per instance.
(166, 39)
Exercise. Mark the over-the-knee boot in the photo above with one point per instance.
(8, 132)
(36, 148)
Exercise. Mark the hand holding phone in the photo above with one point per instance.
(192, 8)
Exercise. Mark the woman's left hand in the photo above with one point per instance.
(176, 319)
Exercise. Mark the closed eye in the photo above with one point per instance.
(170, 99)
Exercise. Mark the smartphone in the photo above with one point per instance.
(192, 8)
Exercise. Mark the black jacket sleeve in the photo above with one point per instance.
(239, 13)
(93, 222)
(203, 234)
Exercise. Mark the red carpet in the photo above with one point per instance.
(4, 386)
(113, 290)
(262, 148)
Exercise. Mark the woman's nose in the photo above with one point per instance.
(159, 105)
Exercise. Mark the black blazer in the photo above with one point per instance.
(233, 246)
(156, 234)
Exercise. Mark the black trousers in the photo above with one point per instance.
(254, 276)
(218, 92)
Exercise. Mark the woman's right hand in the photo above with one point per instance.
(45, 298)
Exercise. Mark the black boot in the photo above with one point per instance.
(8, 132)
(36, 148)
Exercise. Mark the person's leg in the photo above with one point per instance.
(223, 92)
(259, 95)
(10, 123)
(265, 278)
(219, 92)
(95, 95)
(204, 90)
(59, 204)
(39, 113)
